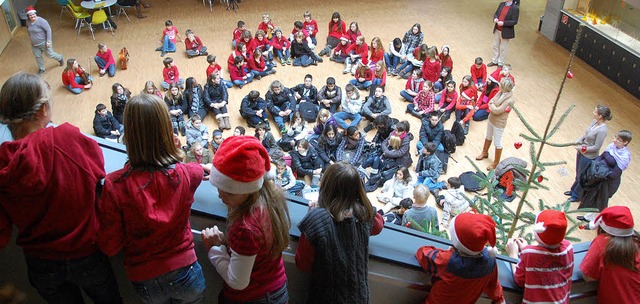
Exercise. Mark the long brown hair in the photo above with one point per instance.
(622, 250)
(149, 133)
(341, 190)
(269, 198)
(22, 97)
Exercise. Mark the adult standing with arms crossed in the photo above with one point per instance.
(40, 34)
(505, 19)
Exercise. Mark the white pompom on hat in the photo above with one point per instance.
(240, 165)
(615, 220)
(30, 10)
(344, 37)
(470, 233)
(550, 227)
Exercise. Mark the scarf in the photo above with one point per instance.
(622, 155)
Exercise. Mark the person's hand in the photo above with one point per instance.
(282, 113)
(206, 167)
(298, 95)
(403, 58)
(287, 112)
(87, 86)
(259, 112)
(48, 43)
(496, 20)
(114, 132)
(212, 237)
(313, 204)
(500, 23)
(361, 79)
(470, 107)
(244, 77)
(521, 243)
(512, 248)
(374, 115)
(102, 71)
(317, 171)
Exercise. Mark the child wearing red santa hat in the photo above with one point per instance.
(614, 257)
(545, 269)
(249, 258)
(467, 266)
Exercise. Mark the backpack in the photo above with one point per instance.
(443, 156)
(471, 180)
(308, 111)
(377, 180)
(449, 142)
(458, 131)
(124, 58)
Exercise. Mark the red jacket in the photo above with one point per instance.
(237, 33)
(193, 45)
(262, 45)
(69, 78)
(334, 32)
(48, 183)
(446, 62)
(171, 74)
(146, 214)
(479, 73)
(368, 74)
(362, 50)
(311, 27)
(376, 55)
(236, 73)
(232, 57)
(431, 70)
(281, 43)
(258, 65)
(344, 50)
(251, 44)
(483, 100)
(470, 99)
(411, 84)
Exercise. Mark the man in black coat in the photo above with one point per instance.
(505, 19)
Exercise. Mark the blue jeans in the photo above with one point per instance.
(480, 115)
(80, 81)
(438, 86)
(280, 120)
(62, 281)
(430, 182)
(241, 83)
(376, 82)
(295, 190)
(576, 188)
(279, 296)
(360, 85)
(341, 116)
(406, 96)
(303, 60)
(184, 285)
(391, 60)
(111, 69)
(419, 147)
(405, 65)
(283, 55)
(267, 70)
(227, 83)
(167, 45)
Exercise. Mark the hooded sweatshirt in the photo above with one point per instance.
(48, 190)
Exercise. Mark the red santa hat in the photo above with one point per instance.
(30, 10)
(240, 165)
(496, 76)
(616, 220)
(550, 227)
(469, 93)
(344, 37)
(470, 232)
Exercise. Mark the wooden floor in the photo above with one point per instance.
(465, 25)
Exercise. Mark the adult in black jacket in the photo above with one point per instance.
(216, 99)
(105, 125)
(305, 162)
(431, 130)
(505, 19)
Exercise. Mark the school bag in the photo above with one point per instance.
(458, 131)
(308, 111)
(507, 172)
(377, 180)
(443, 156)
(449, 142)
(471, 180)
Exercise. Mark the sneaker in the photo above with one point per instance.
(314, 62)
(61, 62)
(323, 52)
(345, 71)
(204, 53)
(466, 128)
(282, 62)
(257, 77)
(368, 127)
(159, 49)
(320, 59)
(272, 71)
(289, 61)
(283, 130)
(162, 53)
(491, 64)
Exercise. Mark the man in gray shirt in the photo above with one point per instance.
(40, 35)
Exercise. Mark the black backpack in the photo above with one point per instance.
(449, 142)
(458, 131)
(377, 180)
(308, 111)
(443, 156)
(596, 172)
(471, 180)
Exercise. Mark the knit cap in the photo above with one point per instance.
(616, 221)
(470, 232)
(240, 165)
(550, 227)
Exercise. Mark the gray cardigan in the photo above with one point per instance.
(593, 138)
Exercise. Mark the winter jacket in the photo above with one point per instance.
(429, 166)
(396, 191)
(376, 105)
(400, 156)
(454, 204)
(103, 125)
(305, 164)
(194, 134)
(429, 133)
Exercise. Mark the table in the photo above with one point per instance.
(91, 5)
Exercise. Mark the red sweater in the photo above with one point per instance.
(107, 57)
(170, 74)
(470, 99)
(281, 43)
(448, 99)
(334, 32)
(210, 69)
(257, 65)
(236, 73)
(237, 33)
(343, 48)
(362, 50)
(476, 73)
(193, 45)
(251, 44)
(483, 100)
(232, 57)
(146, 214)
(414, 85)
(311, 27)
(262, 45)
(446, 62)
(368, 74)
(431, 70)
(48, 183)
(376, 55)
(69, 78)
(265, 26)
(353, 36)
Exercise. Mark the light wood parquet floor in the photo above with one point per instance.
(465, 25)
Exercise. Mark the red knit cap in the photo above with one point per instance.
(550, 227)
(239, 165)
(616, 220)
(470, 232)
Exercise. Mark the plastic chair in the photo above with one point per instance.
(210, 5)
(75, 8)
(99, 17)
(63, 5)
(121, 10)
(79, 17)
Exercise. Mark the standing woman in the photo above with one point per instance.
(334, 243)
(613, 258)
(146, 206)
(588, 147)
(497, 121)
(48, 181)
(249, 258)
(617, 157)
(39, 32)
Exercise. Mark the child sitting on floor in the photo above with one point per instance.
(420, 213)
(283, 176)
(452, 201)
(395, 217)
(197, 131)
(169, 38)
(216, 140)
(194, 45)
(170, 74)
(467, 266)
(429, 168)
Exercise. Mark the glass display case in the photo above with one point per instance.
(618, 19)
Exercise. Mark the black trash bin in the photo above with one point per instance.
(22, 15)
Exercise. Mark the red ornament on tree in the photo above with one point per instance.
(584, 149)
(540, 178)
(507, 109)
(517, 145)
(569, 75)
(581, 227)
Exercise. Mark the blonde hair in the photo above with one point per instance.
(322, 113)
(420, 194)
(506, 84)
(149, 137)
(394, 142)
